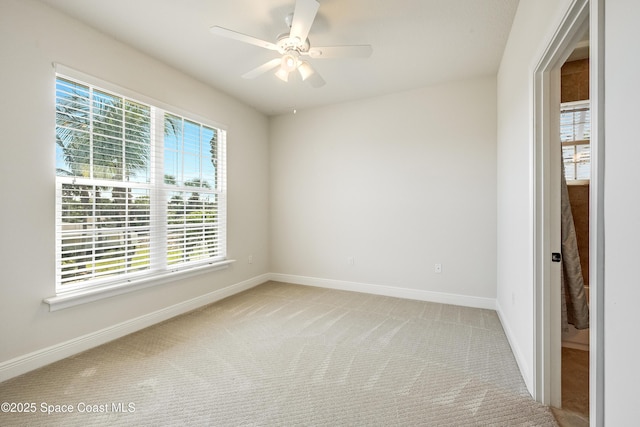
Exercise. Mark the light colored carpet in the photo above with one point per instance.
(283, 354)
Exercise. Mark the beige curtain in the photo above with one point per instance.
(575, 309)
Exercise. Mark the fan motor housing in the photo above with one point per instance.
(286, 43)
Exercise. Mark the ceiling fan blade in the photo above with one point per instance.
(303, 16)
(330, 52)
(267, 66)
(224, 32)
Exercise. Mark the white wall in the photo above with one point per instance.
(32, 36)
(533, 27)
(399, 183)
(621, 212)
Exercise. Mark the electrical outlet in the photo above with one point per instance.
(250, 259)
(438, 268)
(351, 261)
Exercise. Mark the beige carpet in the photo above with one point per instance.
(283, 354)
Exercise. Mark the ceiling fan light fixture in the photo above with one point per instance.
(305, 70)
(289, 61)
(282, 75)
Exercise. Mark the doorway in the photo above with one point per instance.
(575, 127)
(582, 16)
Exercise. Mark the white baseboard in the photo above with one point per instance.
(525, 369)
(390, 291)
(28, 362)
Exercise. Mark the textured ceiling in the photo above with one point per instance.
(415, 43)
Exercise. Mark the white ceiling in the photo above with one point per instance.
(415, 43)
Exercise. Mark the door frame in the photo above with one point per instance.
(580, 16)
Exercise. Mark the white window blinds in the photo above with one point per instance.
(575, 135)
(139, 191)
(193, 177)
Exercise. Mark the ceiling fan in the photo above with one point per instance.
(294, 46)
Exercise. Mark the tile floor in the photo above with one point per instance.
(575, 389)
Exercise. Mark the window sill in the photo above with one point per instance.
(83, 296)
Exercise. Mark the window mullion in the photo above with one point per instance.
(91, 128)
(159, 204)
(93, 231)
(125, 178)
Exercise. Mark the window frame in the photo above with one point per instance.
(67, 295)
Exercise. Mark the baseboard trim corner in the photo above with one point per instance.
(390, 291)
(39, 358)
(524, 367)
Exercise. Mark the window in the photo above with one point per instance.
(140, 191)
(575, 133)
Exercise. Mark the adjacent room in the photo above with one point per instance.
(317, 212)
